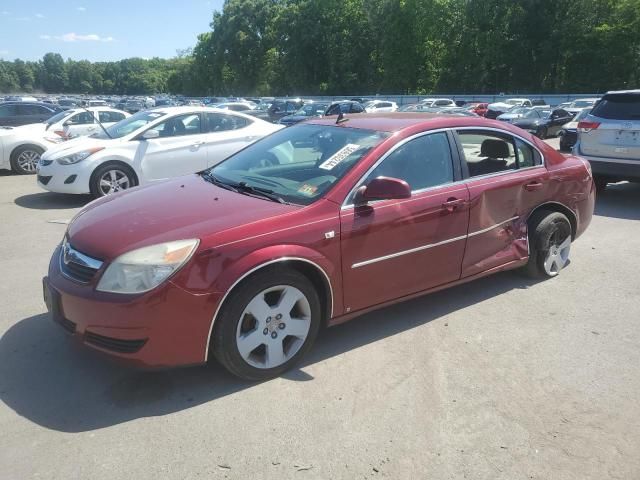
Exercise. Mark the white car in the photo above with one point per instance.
(580, 104)
(380, 106)
(495, 109)
(149, 146)
(438, 102)
(77, 122)
(21, 147)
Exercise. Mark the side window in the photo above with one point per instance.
(8, 111)
(487, 153)
(527, 155)
(355, 108)
(344, 107)
(292, 107)
(423, 162)
(333, 110)
(219, 122)
(82, 118)
(188, 124)
(110, 117)
(33, 110)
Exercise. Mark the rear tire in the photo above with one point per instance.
(24, 159)
(549, 244)
(257, 334)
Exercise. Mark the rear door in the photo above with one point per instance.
(180, 148)
(507, 180)
(558, 118)
(226, 134)
(8, 114)
(613, 128)
(29, 113)
(82, 123)
(394, 248)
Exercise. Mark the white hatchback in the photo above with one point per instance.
(149, 146)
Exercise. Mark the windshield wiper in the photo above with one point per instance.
(261, 192)
(242, 187)
(216, 181)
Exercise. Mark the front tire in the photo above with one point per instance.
(549, 244)
(24, 160)
(111, 178)
(267, 324)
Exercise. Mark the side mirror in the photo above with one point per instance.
(382, 188)
(150, 134)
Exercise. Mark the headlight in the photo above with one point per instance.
(143, 269)
(78, 157)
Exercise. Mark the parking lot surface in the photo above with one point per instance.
(503, 378)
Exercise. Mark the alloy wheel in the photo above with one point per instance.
(28, 160)
(113, 181)
(273, 326)
(558, 254)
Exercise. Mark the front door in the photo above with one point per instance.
(394, 248)
(180, 149)
(226, 134)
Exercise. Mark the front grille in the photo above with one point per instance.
(44, 179)
(114, 344)
(76, 265)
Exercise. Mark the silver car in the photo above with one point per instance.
(609, 137)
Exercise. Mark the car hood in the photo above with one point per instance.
(78, 144)
(180, 208)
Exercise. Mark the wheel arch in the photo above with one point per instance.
(15, 148)
(560, 208)
(115, 162)
(316, 273)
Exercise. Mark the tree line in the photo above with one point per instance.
(348, 47)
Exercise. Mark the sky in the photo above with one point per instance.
(99, 30)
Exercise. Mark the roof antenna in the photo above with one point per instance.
(341, 119)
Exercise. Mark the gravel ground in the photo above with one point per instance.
(503, 378)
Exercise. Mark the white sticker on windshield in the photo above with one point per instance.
(339, 156)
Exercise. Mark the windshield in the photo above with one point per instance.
(582, 103)
(131, 124)
(58, 116)
(300, 163)
(533, 114)
(581, 115)
(312, 109)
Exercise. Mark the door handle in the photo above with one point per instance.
(452, 203)
(532, 186)
(197, 144)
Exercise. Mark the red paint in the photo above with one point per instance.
(239, 233)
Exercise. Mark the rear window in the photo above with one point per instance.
(625, 106)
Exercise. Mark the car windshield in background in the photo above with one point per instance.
(519, 110)
(619, 106)
(312, 109)
(131, 124)
(581, 115)
(536, 114)
(581, 103)
(298, 164)
(57, 117)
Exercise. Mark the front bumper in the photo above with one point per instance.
(64, 178)
(166, 327)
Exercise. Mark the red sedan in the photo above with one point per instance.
(311, 226)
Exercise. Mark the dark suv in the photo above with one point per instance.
(279, 108)
(14, 114)
(609, 137)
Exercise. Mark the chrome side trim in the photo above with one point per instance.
(488, 229)
(431, 245)
(255, 269)
(406, 252)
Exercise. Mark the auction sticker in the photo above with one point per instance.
(339, 156)
(307, 189)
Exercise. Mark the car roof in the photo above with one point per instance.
(397, 121)
(623, 91)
